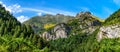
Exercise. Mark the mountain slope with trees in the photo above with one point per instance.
(17, 37)
(113, 19)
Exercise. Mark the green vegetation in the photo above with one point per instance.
(48, 26)
(101, 20)
(80, 42)
(10, 44)
(15, 36)
(113, 19)
(85, 43)
(110, 45)
(75, 43)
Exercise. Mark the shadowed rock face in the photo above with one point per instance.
(59, 31)
(111, 31)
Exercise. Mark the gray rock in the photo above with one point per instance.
(59, 31)
(89, 30)
(111, 31)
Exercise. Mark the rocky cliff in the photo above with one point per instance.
(59, 31)
(111, 31)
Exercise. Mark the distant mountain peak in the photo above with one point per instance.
(59, 14)
(83, 13)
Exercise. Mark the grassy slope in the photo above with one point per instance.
(113, 19)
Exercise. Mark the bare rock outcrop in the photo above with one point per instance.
(59, 31)
(111, 31)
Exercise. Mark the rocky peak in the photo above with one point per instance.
(81, 14)
(59, 14)
(88, 19)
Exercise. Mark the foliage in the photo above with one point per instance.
(110, 45)
(113, 19)
(17, 37)
(48, 26)
(101, 20)
(11, 44)
(80, 42)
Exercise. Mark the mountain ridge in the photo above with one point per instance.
(38, 22)
(60, 33)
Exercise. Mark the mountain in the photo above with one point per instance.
(78, 34)
(59, 33)
(88, 34)
(83, 23)
(41, 23)
(84, 33)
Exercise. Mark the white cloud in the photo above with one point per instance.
(39, 13)
(12, 8)
(1, 2)
(56, 11)
(16, 8)
(50, 11)
(22, 18)
(116, 2)
(38, 10)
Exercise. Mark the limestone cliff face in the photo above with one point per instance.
(59, 31)
(111, 31)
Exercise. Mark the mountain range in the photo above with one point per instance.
(59, 33)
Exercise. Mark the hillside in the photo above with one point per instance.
(10, 25)
(15, 36)
(113, 19)
(111, 26)
(39, 22)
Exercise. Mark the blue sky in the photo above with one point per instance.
(24, 9)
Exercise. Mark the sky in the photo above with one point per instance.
(25, 9)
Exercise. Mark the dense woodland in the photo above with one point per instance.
(17, 37)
